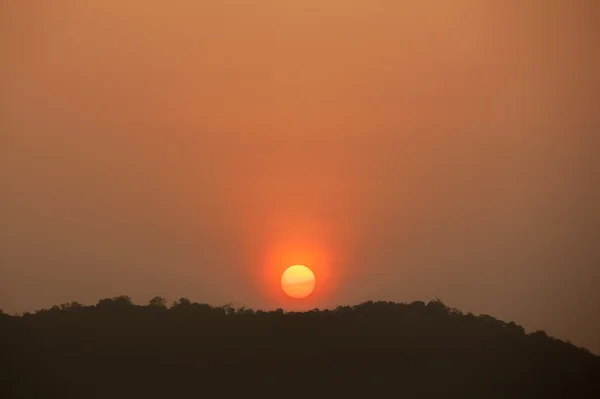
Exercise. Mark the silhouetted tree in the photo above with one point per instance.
(71, 306)
(122, 301)
(158, 302)
(181, 303)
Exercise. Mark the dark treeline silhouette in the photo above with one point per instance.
(116, 349)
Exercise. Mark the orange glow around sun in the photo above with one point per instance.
(298, 281)
(277, 259)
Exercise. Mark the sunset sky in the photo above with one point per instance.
(403, 150)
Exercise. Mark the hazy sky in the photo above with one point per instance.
(404, 150)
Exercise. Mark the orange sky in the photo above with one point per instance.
(405, 150)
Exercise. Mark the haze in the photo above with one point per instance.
(409, 149)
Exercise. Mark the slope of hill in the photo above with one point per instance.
(376, 349)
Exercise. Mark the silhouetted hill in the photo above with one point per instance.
(376, 349)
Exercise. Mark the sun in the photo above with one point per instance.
(298, 281)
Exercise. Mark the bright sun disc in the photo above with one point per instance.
(298, 281)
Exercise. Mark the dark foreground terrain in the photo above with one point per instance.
(374, 350)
